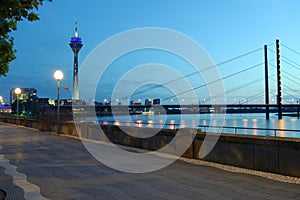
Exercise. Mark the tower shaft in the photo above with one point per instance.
(279, 97)
(75, 94)
(75, 44)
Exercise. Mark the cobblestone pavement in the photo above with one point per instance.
(41, 165)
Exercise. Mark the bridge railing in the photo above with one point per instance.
(236, 130)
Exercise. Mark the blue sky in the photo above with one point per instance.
(225, 29)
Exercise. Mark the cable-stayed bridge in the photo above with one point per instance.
(269, 83)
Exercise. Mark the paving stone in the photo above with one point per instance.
(61, 168)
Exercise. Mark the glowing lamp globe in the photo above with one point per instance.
(58, 75)
(18, 91)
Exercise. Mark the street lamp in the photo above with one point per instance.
(17, 92)
(298, 113)
(58, 75)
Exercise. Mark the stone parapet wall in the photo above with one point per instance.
(270, 154)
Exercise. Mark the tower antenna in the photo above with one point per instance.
(76, 28)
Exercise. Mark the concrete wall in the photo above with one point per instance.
(270, 154)
(66, 127)
(116, 135)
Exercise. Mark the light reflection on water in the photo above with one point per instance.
(231, 120)
(281, 126)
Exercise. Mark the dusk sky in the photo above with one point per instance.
(225, 29)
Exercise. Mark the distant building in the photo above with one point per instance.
(148, 102)
(68, 102)
(45, 102)
(5, 109)
(27, 95)
(98, 103)
(138, 109)
(63, 102)
(156, 101)
(105, 103)
(135, 103)
(2, 101)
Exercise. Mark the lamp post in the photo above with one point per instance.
(58, 75)
(17, 92)
(298, 113)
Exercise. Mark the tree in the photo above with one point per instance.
(11, 12)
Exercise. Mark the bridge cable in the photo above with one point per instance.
(296, 52)
(239, 87)
(260, 94)
(285, 91)
(215, 81)
(286, 60)
(196, 72)
(291, 78)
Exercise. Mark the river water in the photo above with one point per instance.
(249, 124)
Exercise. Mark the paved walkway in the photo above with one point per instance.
(41, 165)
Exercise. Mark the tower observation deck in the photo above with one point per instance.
(75, 44)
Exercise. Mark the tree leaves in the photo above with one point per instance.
(11, 12)
(33, 16)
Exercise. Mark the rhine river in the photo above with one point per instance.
(249, 124)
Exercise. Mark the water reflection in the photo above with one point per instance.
(117, 123)
(139, 123)
(182, 124)
(255, 131)
(231, 121)
(245, 124)
(281, 126)
(172, 126)
(150, 123)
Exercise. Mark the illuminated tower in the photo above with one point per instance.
(75, 44)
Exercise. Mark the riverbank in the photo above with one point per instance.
(264, 153)
(40, 165)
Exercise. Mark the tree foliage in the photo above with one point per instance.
(11, 12)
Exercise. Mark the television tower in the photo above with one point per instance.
(75, 44)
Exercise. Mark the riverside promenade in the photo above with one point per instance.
(44, 165)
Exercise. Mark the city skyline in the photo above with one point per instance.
(223, 29)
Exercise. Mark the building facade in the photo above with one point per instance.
(26, 95)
